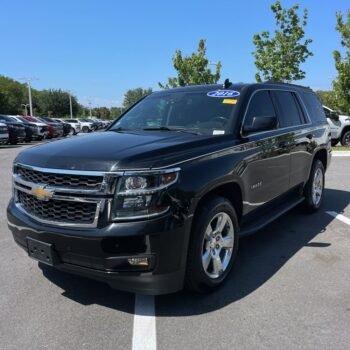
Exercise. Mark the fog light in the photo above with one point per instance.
(138, 261)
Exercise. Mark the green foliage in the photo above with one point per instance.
(12, 95)
(193, 70)
(116, 112)
(328, 98)
(56, 103)
(341, 84)
(279, 57)
(101, 112)
(133, 95)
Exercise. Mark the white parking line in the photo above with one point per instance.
(341, 154)
(339, 217)
(144, 332)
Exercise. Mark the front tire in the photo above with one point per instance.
(314, 188)
(213, 245)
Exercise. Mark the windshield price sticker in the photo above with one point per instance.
(223, 93)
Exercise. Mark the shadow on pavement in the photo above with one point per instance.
(260, 257)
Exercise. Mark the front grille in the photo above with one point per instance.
(58, 210)
(43, 129)
(60, 180)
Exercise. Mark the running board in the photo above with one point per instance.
(255, 225)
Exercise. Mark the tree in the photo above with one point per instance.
(279, 57)
(101, 112)
(13, 94)
(193, 70)
(56, 103)
(116, 112)
(328, 98)
(341, 84)
(133, 95)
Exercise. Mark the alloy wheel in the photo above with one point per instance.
(317, 186)
(217, 245)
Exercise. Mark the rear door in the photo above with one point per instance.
(300, 136)
(266, 173)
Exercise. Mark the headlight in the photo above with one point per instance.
(143, 195)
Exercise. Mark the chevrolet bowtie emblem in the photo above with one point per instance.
(42, 194)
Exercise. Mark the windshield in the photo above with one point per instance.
(8, 119)
(192, 111)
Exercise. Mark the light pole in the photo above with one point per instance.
(90, 109)
(70, 105)
(28, 80)
(25, 107)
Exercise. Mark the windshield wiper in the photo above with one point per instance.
(165, 128)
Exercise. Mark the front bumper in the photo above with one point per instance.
(4, 138)
(100, 253)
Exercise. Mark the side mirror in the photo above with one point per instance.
(261, 123)
(334, 115)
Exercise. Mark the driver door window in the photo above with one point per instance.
(260, 105)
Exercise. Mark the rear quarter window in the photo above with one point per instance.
(290, 113)
(314, 107)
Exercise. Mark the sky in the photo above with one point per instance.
(98, 49)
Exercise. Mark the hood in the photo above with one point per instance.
(112, 150)
(344, 117)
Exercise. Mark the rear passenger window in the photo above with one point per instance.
(260, 105)
(314, 107)
(290, 113)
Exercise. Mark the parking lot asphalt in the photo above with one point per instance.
(289, 289)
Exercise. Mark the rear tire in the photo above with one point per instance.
(85, 129)
(314, 188)
(345, 140)
(213, 245)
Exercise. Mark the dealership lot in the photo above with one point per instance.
(290, 289)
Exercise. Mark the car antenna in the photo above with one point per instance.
(226, 84)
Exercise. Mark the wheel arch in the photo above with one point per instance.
(345, 129)
(322, 156)
(230, 190)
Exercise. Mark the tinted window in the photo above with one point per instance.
(289, 111)
(314, 107)
(260, 105)
(5, 118)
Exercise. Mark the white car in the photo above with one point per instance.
(75, 125)
(84, 126)
(340, 126)
(4, 133)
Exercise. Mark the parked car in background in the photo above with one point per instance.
(86, 126)
(16, 130)
(98, 122)
(340, 126)
(57, 127)
(67, 129)
(106, 123)
(4, 133)
(75, 125)
(32, 130)
(94, 125)
(43, 129)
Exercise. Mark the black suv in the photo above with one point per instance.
(16, 129)
(159, 200)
